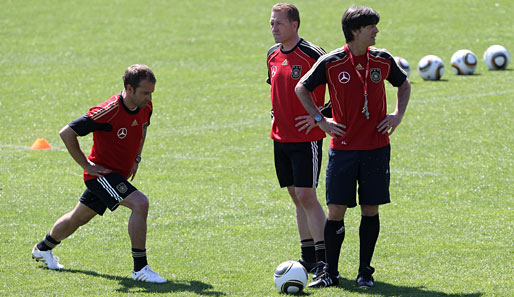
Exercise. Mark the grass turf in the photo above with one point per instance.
(219, 224)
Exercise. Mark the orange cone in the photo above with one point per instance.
(40, 144)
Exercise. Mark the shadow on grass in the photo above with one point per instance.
(388, 290)
(128, 285)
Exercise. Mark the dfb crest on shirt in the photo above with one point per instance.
(122, 188)
(296, 72)
(375, 75)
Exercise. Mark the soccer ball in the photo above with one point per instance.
(403, 64)
(496, 57)
(464, 62)
(290, 277)
(431, 67)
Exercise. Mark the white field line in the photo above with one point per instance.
(180, 130)
(212, 126)
(419, 173)
(215, 126)
(27, 147)
(435, 99)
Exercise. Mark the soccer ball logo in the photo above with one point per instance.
(464, 62)
(431, 67)
(496, 57)
(290, 277)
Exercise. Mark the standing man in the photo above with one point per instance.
(297, 153)
(359, 149)
(119, 130)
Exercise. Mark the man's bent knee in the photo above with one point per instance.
(136, 201)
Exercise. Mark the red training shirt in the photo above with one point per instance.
(117, 134)
(347, 94)
(284, 71)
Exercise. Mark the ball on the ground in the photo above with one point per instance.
(464, 62)
(290, 277)
(431, 67)
(496, 57)
(403, 64)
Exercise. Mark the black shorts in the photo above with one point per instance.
(298, 164)
(370, 169)
(106, 192)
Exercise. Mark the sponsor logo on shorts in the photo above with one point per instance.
(122, 188)
(340, 231)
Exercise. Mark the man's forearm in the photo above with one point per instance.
(306, 99)
(69, 137)
(403, 96)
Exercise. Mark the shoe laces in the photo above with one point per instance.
(319, 267)
(54, 257)
(150, 271)
(326, 277)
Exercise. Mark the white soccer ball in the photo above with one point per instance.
(464, 62)
(290, 277)
(496, 57)
(431, 67)
(403, 64)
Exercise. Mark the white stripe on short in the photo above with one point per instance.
(314, 147)
(105, 184)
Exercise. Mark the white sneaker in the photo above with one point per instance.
(148, 275)
(47, 257)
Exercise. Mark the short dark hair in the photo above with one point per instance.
(293, 15)
(357, 17)
(136, 73)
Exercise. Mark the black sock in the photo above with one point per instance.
(47, 243)
(368, 233)
(334, 237)
(139, 257)
(308, 254)
(320, 250)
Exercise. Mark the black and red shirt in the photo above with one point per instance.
(347, 94)
(284, 71)
(117, 134)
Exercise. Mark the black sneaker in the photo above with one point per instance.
(308, 265)
(364, 278)
(325, 280)
(317, 270)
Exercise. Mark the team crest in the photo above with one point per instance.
(375, 74)
(122, 188)
(296, 72)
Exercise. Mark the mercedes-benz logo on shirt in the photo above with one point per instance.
(122, 133)
(344, 77)
(273, 70)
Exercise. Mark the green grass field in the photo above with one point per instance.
(219, 224)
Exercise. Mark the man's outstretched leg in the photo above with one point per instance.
(63, 227)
